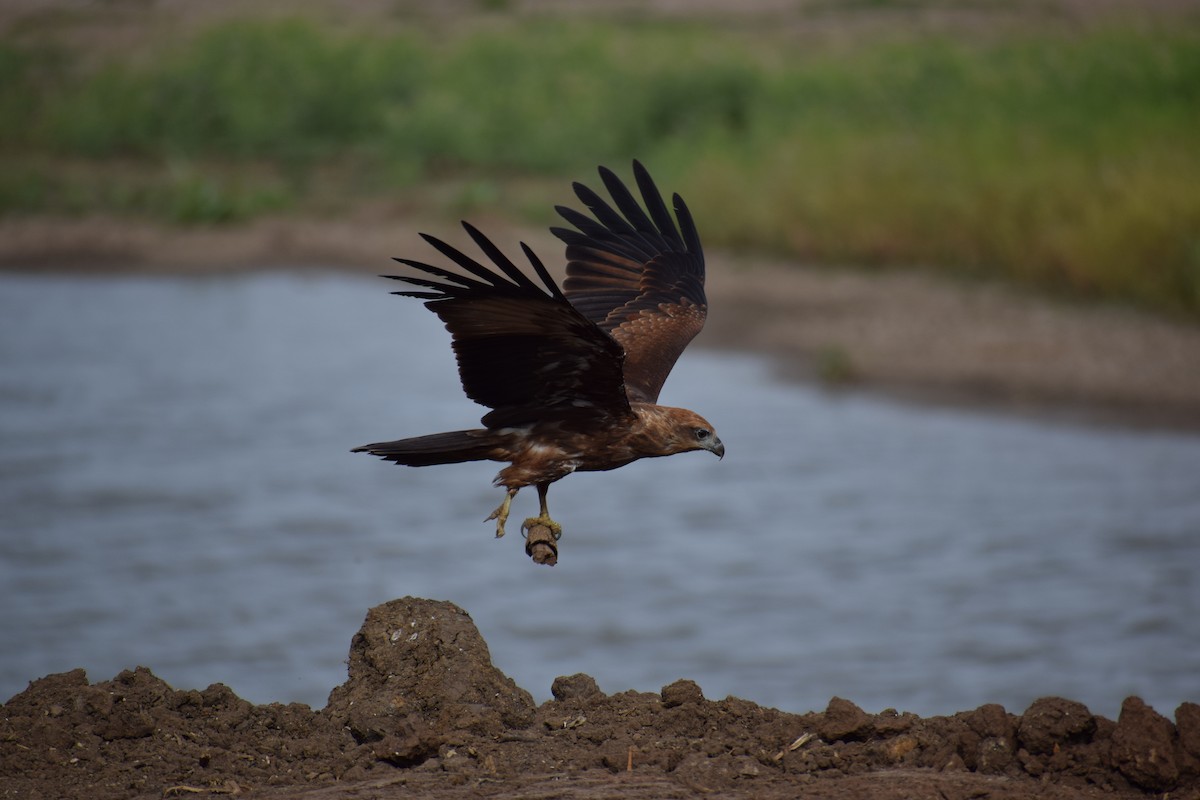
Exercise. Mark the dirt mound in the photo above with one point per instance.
(424, 713)
(421, 676)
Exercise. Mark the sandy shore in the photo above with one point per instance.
(907, 334)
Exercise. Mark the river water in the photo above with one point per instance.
(177, 491)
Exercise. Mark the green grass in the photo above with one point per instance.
(178, 192)
(1065, 164)
(1065, 160)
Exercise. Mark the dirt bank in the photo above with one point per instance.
(425, 714)
(905, 333)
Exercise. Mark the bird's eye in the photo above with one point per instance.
(702, 434)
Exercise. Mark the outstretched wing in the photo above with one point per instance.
(637, 276)
(523, 350)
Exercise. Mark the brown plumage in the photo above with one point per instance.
(571, 376)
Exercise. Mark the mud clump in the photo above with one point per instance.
(1144, 747)
(424, 713)
(1052, 722)
(844, 721)
(421, 675)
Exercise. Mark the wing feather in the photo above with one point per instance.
(658, 209)
(523, 350)
(638, 274)
(591, 231)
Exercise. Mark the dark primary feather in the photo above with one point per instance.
(637, 275)
(523, 350)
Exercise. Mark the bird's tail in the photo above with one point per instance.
(437, 448)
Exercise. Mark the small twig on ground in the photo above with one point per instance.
(229, 787)
(800, 741)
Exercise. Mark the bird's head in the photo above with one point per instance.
(690, 431)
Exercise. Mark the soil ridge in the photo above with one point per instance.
(425, 713)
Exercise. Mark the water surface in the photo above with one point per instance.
(177, 491)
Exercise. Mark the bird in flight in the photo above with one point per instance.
(571, 375)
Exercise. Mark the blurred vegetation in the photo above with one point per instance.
(1066, 160)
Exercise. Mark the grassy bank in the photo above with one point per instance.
(1060, 159)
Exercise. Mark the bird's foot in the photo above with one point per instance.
(500, 520)
(501, 512)
(545, 521)
(500, 515)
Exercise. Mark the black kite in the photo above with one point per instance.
(572, 376)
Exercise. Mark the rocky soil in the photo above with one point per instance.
(424, 713)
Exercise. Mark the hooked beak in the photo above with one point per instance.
(718, 448)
